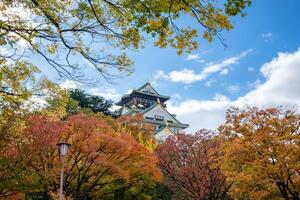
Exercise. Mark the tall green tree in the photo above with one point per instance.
(93, 103)
(99, 31)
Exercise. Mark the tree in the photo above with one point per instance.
(161, 192)
(101, 163)
(260, 153)
(187, 164)
(60, 31)
(19, 90)
(93, 103)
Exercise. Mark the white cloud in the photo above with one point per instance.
(110, 93)
(267, 36)
(188, 76)
(221, 97)
(281, 87)
(254, 85)
(224, 72)
(70, 84)
(185, 76)
(193, 56)
(196, 57)
(233, 89)
(161, 75)
(114, 108)
(200, 114)
(129, 91)
(176, 96)
(222, 65)
(282, 84)
(35, 103)
(251, 69)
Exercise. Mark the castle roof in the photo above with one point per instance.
(145, 90)
(147, 101)
(148, 87)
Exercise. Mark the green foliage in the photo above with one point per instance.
(19, 91)
(161, 192)
(80, 101)
(17, 82)
(235, 7)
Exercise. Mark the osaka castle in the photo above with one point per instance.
(147, 101)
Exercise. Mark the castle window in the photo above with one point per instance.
(159, 117)
(157, 127)
(148, 91)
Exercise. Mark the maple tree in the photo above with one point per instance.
(260, 153)
(19, 88)
(186, 162)
(101, 163)
(60, 31)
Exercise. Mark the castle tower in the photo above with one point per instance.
(147, 101)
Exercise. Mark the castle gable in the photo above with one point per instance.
(147, 88)
(163, 133)
(158, 112)
(124, 110)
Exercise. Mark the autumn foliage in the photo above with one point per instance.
(261, 151)
(255, 155)
(101, 163)
(138, 129)
(187, 164)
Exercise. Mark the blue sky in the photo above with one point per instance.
(268, 28)
(213, 78)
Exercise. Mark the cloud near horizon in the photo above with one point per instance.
(188, 76)
(281, 88)
(108, 93)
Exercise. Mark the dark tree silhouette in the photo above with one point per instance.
(93, 102)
